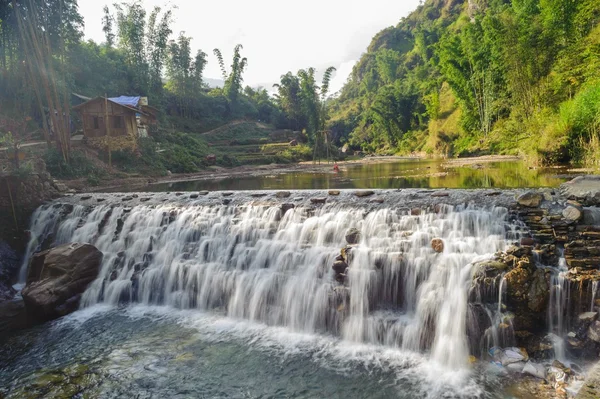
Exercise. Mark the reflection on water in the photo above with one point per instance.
(407, 173)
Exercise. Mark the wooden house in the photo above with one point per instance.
(121, 119)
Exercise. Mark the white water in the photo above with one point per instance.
(250, 263)
(558, 308)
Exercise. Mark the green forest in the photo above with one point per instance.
(454, 78)
(459, 78)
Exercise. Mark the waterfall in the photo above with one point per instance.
(259, 263)
(558, 310)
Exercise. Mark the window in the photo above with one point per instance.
(118, 122)
(96, 122)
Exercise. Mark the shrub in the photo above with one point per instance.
(79, 165)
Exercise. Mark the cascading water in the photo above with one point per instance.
(558, 310)
(254, 263)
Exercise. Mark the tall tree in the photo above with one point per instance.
(233, 79)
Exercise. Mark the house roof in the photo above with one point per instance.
(81, 97)
(126, 100)
(112, 100)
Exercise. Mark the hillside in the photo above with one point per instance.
(464, 77)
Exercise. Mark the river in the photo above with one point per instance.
(229, 296)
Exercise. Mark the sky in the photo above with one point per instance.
(277, 35)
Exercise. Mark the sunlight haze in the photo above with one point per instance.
(277, 36)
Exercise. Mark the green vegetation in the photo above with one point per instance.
(454, 78)
(140, 56)
(479, 76)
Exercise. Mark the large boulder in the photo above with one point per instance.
(57, 277)
(353, 236)
(530, 199)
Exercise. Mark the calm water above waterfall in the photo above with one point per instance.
(406, 173)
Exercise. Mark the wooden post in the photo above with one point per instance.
(106, 126)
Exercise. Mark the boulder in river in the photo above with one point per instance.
(364, 193)
(572, 213)
(438, 245)
(57, 277)
(530, 199)
(352, 236)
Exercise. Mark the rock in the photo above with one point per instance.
(85, 197)
(527, 241)
(547, 195)
(489, 268)
(535, 370)
(415, 211)
(539, 292)
(439, 194)
(286, 207)
(178, 194)
(227, 194)
(517, 285)
(340, 266)
(572, 213)
(364, 193)
(124, 199)
(582, 188)
(258, 195)
(57, 277)
(558, 365)
(530, 199)
(100, 199)
(587, 318)
(438, 245)
(318, 200)
(282, 194)
(203, 193)
(146, 199)
(377, 200)
(593, 331)
(226, 201)
(353, 236)
(193, 196)
(334, 192)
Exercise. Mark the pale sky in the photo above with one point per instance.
(278, 35)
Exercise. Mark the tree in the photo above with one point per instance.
(233, 79)
(184, 73)
(288, 98)
(107, 27)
